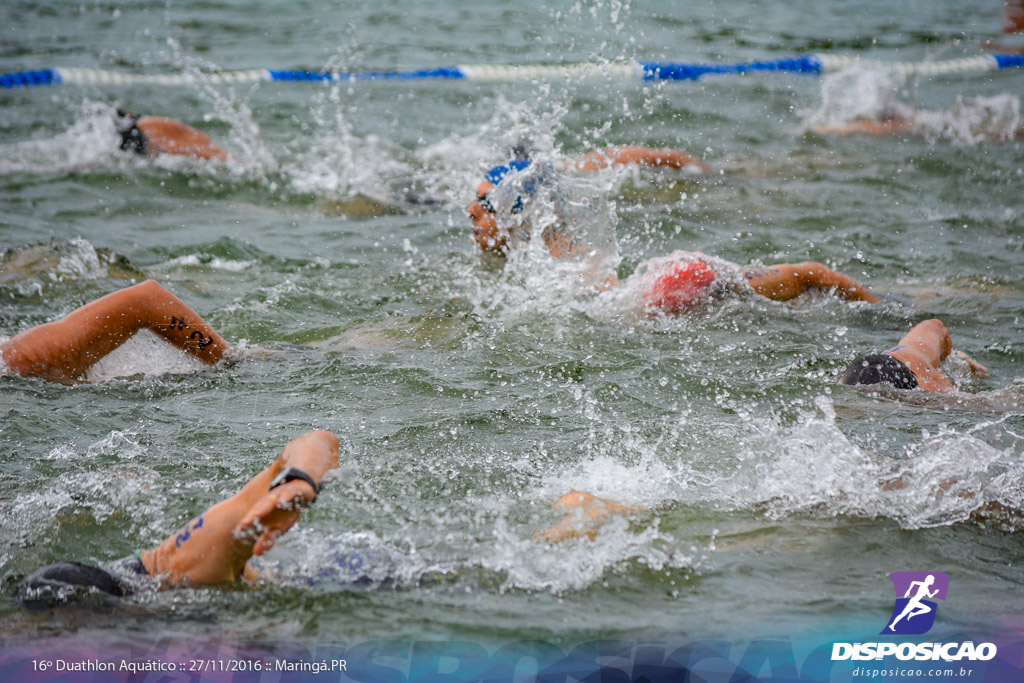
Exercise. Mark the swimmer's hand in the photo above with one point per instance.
(232, 356)
(274, 514)
(270, 351)
(585, 514)
(598, 280)
(977, 369)
(903, 301)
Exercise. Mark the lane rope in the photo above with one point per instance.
(648, 71)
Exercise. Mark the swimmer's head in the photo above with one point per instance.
(66, 581)
(125, 119)
(132, 139)
(484, 211)
(878, 369)
(679, 287)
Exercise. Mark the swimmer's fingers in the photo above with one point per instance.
(272, 525)
(977, 369)
(274, 514)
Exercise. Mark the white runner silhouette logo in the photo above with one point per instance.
(914, 611)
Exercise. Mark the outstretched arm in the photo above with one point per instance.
(893, 126)
(167, 136)
(787, 281)
(646, 156)
(215, 546)
(585, 513)
(65, 349)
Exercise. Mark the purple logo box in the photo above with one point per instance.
(914, 610)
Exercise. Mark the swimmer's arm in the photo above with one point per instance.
(562, 244)
(560, 241)
(215, 547)
(759, 278)
(315, 453)
(65, 349)
(923, 349)
(786, 281)
(867, 127)
(646, 156)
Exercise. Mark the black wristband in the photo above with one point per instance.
(291, 474)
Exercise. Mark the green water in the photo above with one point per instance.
(470, 394)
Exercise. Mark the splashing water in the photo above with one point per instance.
(874, 96)
(90, 142)
(143, 354)
(31, 270)
(855, 94)
(972, 120)
(814, 468)
(254, 157)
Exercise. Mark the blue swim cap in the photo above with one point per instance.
(498, 172)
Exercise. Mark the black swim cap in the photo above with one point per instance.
(132, 137)
(878, 368)
(72, 577)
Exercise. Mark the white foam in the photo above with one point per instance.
(208, 261)
(143, 354)
(972, 120)
(574, 564)
(858, 94)
(83, 263)
(813, 468)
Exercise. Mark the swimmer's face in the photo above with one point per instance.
(485, 225)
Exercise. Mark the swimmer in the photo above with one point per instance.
(483, 212)
(905, 126)
(151, 135)
(64, 350)
(682, 281)
(215, 547)
(913, 363)
(994, 119)
(679, 283)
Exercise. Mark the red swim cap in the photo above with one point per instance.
(679, 287)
